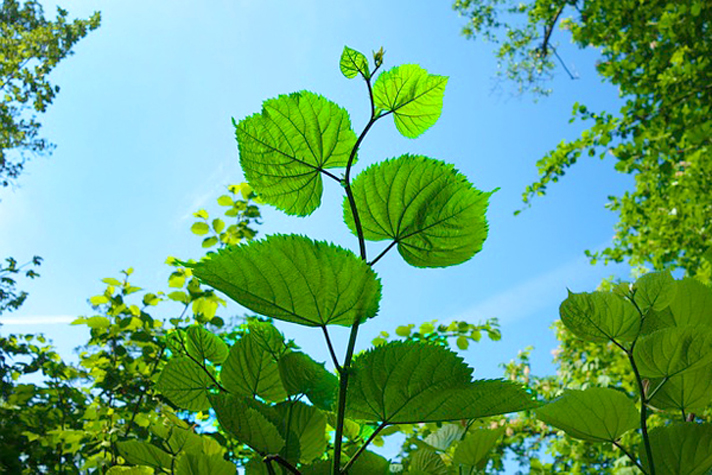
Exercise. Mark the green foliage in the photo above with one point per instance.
(30, 49)
(657, 54)
(10, 298)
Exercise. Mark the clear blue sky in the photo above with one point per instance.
(144, 138)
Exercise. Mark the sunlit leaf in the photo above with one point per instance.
(690, 391)
(302, 375)
(475, 448)
(250, 370)
(681, 449)
(308, 424)
(284, 148)
(425, 461)
(600, 316)
(185, 384)
(655, 290)
(692, 304)
(673, 350)
(353, 63)
(142, 453)
(595, 414)
(430, 210)
(203, 345)
(413, 96)
(295, 279)
(200, 464)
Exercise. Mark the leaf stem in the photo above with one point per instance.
(643, 412)
(282, 462)
(383, 253)
(341, 407)
(331, 349)
(627, 454)
(365, 444)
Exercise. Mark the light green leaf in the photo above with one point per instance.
(308, 424)
(673, 350)
(209, 242)
(600, 317)
(203, 345)
(690, 391)
(268, 337)
(284, 148)
(462, 342)
(99, 300)
(185, 384)
(295, 279)
(434, 214)
(413, 96)
(180, 440)
(200, 464)
(225, 200)
(218, 225)
(243, 420)
(250, 370)
(353, 63)
(142, 453)
(476, 446)
(595, 414)
(692, 304)
(445, 436)
(98, 322)
(302, 375)
(368, 463)
(200, 228)
(427, 462)
(119, 470)
(655, 290)
(681, 449)
(408, 382)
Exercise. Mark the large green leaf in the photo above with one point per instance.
(413, 96)
(689, 392)
(434, 214)
(476, 446)
(600, 316)
(284, 148)
(200, 464)
(295, 279)
(268, 337)
(250, 370)
(203, 345)
(353, 63)
(680, 449)
(426, 462)
(673, 350)
(368, 463)
(445, 436)
(120, 470)
(302, 375)
(247, 423)
(594, 414)
(408, 382)
(308, 424)
(185, 384)
(138, 452)
(655, 290)
(692, 304)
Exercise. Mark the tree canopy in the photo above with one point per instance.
(30, 47)
(658, 55)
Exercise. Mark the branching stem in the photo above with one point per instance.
(627, 454)
(365, 444)
(277, 458)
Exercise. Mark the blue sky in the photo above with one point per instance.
(144, 138)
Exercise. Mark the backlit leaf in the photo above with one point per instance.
(692, 304)
(303, 375)
(200, 228)
(600, 316)
(595, 414)
(353, 63)
(434, 214)
(426, 461)
(203, 345)
(655, 290)
(250, 370)
(185, 384)
(690, 391)
(295, 279)
(413, 96)
(308, 424)
(673, 350)
(476, 446)
(142, 453)
(681, 449)
(200, 464)
(284, 148)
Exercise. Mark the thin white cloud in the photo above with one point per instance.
(534, 295)
(38, 320)
(214, 186)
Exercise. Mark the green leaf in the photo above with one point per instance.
(681, 449)
(434, 214)
(119, 470)
(368, 463)
(302, 375)
(250, 370)
(408, 382)
(200, 464)
(426, 461)
(445, 436)
(209, 242)
(218, 225)
(268, 337)
(284, 148)
(111, 281)
(655, 290)
(353, 63)
(476, 446)
(243, 420)
(98, 322)
(203, 345)
(200, 228)
(142, 453)
(692, 304)
(308, 424)
(462, 342)
(595, 414)
(690, 392)
(185, 384)
(295, 279)
(673, 350)
(225, 200)
(414, 96)
(600, 317)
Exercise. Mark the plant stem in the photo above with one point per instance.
(632, 459)
(383, 253)
(331, 349)
(341, 407)
(365, 444)
(643, 412)
(277, 458)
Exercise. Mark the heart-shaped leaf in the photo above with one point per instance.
(655, 290)
(681, 449)
(295, 279)
(692, 304)
(600, 317)
(413, 96)
(353, 63)
(302, 375)
(185, 384)
(594, 414)
(434, 214)
(689, 392)
(476, 446)
(203, 345)
(250, 370)
(673, 350)
(284, 149)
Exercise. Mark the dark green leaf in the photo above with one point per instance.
(595, 414)
(308, 424)
(600, 317)
(250, 370)
(302, 375)
(203, 345)
(200, 464)
(673, 350)
(284, 148)
(434, 214)
(413, 96)
(142, 453)
(681, 449)
(427, 462)
(295, 279)
(185, 384)
(476, 446)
